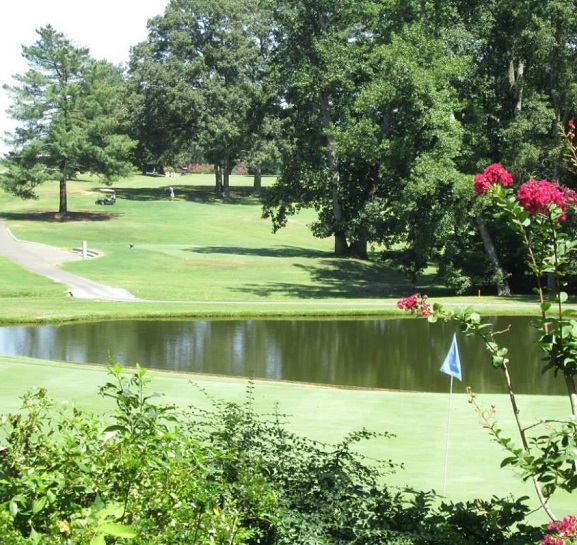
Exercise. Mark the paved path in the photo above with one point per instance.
(44, 260)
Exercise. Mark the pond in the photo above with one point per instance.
(400, 354)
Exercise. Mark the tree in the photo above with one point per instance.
(69, 107)
(521, 88)
(371, 98)
(199, 81)
(319, 66)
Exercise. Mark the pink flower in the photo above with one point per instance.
(537, 196)
(415, 304)
(494, 174)
(571, 124)
(560, 531)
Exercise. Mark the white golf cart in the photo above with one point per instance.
(108, 197)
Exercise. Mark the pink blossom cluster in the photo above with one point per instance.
(415, 304)
(571, 132)
(494, 174)
(563, 532)
(536, 196)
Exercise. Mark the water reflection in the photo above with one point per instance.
(403, 354)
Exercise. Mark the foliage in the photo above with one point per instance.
(197, 84)
(68, 476)
(158, 474)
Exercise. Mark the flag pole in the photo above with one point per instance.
(452, 367)
(448, 435)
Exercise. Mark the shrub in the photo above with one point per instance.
(152, 474)
(201, 168)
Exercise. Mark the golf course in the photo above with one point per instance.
(200, 256)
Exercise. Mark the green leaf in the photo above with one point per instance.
(545, 306)
(38, 505)
(98, 540)
(117, 530)
(497, 362)
(474, 317)
(563, 296)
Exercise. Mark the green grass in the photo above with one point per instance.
(201, 256)
(199, 247)
(419, 421)
(216, 252)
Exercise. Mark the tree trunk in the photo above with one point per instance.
(341, 245)
(358, 249)
(226, 178)
(63, 208)
(218, 179)
(503, 288)
(257, 183)
(515, 75)
(226, 170)
(226, 183)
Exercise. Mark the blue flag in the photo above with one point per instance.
(452, 364)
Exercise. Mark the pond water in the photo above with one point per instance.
(400, 354)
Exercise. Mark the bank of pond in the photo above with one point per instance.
(400, 354)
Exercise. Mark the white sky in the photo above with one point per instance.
(107, 27)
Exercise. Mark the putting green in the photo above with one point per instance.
(426, 439)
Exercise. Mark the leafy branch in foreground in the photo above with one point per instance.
(536, 211)
(152, 473)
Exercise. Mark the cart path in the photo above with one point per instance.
(44, 260)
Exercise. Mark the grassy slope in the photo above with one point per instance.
(222, 254)
(196, 248)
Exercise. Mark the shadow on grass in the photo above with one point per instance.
(339, 278)
(334, 278)
(53, 217)
(191, 193)
(275, 251)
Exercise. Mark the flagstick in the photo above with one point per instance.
(448, 434)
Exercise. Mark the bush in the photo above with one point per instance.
(201, 168)
(152, 474)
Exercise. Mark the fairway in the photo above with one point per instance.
(198, 255)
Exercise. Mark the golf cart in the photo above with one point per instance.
(109, 197)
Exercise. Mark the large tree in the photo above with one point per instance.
(198, 82)
(320, 59)
(371, 102)
(69, 107)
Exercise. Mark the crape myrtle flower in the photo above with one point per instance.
(562, 532)
(536, 197)
(494, 174)
(415, 304)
